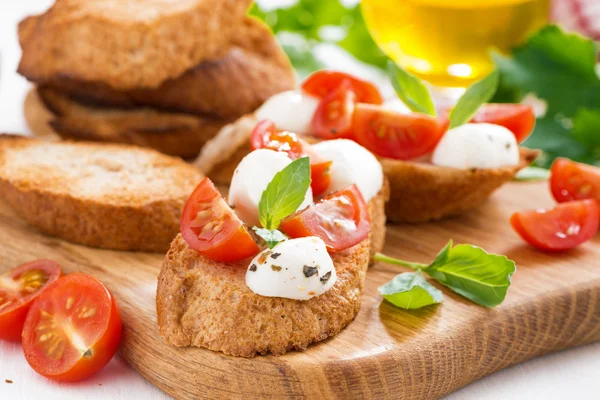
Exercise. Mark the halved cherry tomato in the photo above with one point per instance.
(333, 117)
(210, 226)
(340, 219)
(570, 180)
(320, 177)
(322, 83)
(72, 330)
(517, 118)
(18, 288)
(391, 134)
(266, 136)
(561, 228)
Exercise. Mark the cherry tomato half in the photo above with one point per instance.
(322, 83)
(570, 180)
(333, 117)
(210, 226)
(395, 135)
(18, 288)
(72, 330)
(266, 136)
(320, 177)
(517, 118)
(561, 228)
(340, 219)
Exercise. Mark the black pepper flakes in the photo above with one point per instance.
(263, 257)
(309, 271)
(325, 278)
(276, 268)
(253, 268)
(8, 381)
(508, 146)
(275, 255)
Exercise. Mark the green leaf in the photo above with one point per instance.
(410, 291)
(271, 237)
(411, 90)
(471, 272)
(479, 93)
(532, 174)
(285, 193)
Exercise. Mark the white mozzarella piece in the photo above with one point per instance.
(250, 180)
(291, 111)
(477, 146)
(351, 164)
(297, 269)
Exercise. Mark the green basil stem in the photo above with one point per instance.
(395, 261)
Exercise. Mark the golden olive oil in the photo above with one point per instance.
(447, 42)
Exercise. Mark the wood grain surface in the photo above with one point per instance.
(554, 303)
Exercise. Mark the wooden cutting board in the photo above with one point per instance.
(554, 303)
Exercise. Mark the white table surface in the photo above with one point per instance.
(572, 374)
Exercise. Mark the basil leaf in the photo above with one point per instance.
(410, 290)
(471, 272)
(271, 237)
(532, 174)
(478, 94)
(284, 193)
(411, 90)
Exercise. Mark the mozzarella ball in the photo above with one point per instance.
(291, 111)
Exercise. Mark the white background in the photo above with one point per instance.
(573, 374)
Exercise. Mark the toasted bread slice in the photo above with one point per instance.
(203, 303)
(254, 69)
(175, 134)
(419, 192)
(109, 196)
(126, 43)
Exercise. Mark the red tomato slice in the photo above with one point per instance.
(517, 118)
(561, 228)
(340, 219)
(72, 330)
(333, 117)
(322, 83)
(266, 136)
(18, 288)
(570, 180)
(210, 226)
(394, 135)
(320, 177)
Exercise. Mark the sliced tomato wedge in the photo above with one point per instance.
(210, 226)
(320, 177)
(570, 180)
(18, 288)
(395, 135)
(333, 117)
(266, 136)
(564, 227)
(517, 118)
(73, 329)
(340, 219)
(322, 83)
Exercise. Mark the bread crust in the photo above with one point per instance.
(109, 196)
(174, 134)
(253, 69)
(204, 303)
(142, 45)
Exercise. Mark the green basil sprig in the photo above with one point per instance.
(271, 237)
(468, 270)
(476, 95)
(410, 290)
(411, 90)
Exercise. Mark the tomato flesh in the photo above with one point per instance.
(210, 226)
(340, 219)
(18, 288)
(564, 227)
(570, 180)
(73, 329)
(333, 117)
(266, 136)
(517, 118)
(320, 177)
(395, 135)
(322, 83)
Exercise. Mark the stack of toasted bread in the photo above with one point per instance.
(161, 74)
